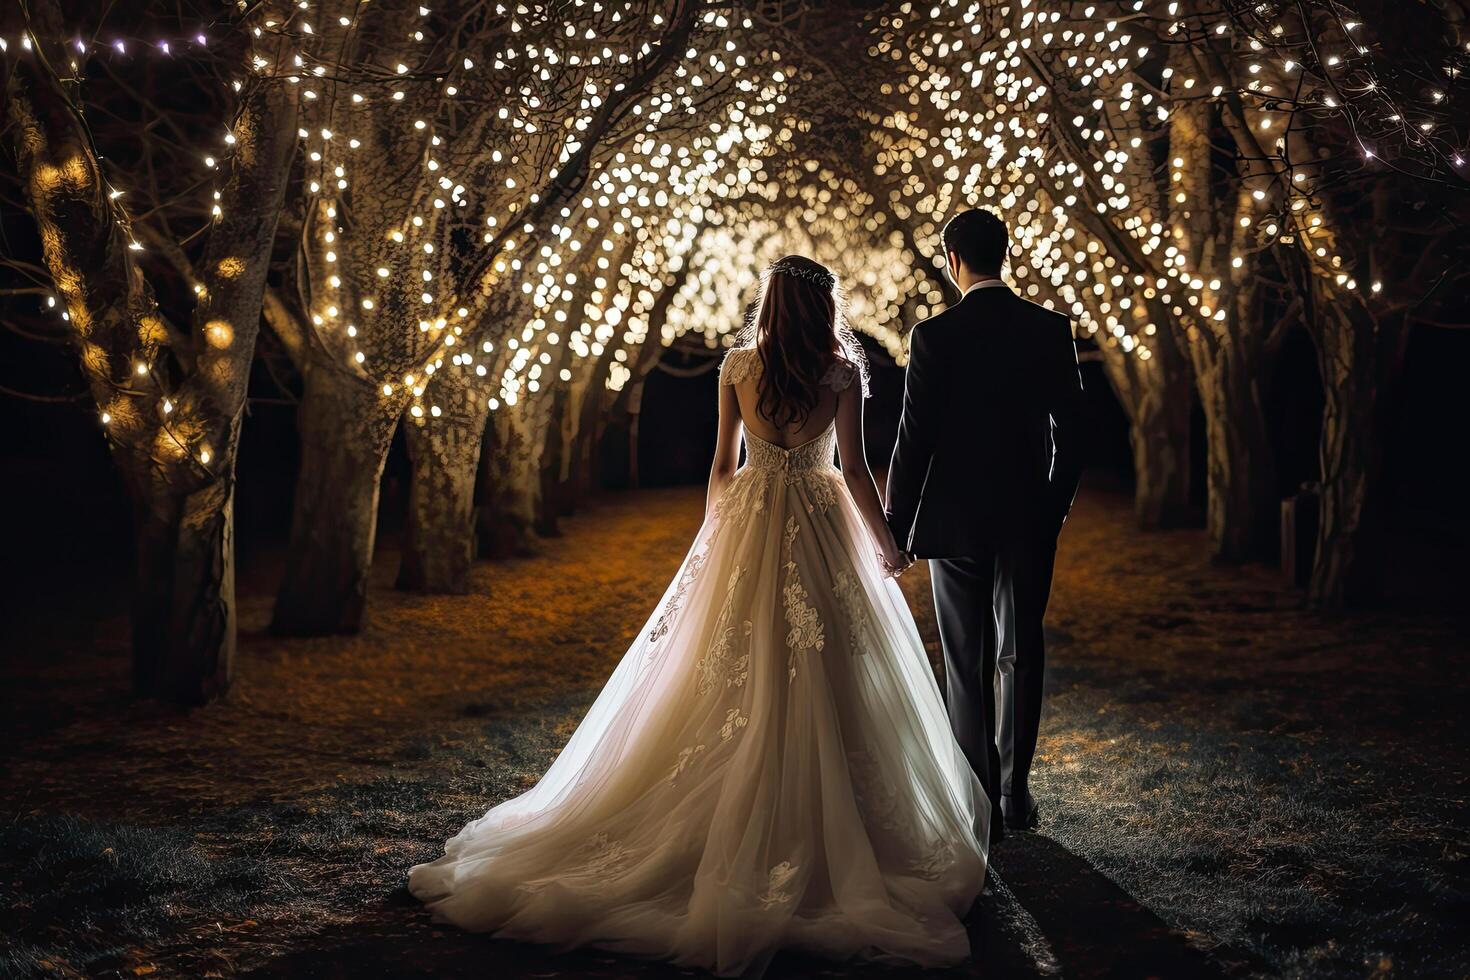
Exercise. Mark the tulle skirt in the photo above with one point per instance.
(769, 766)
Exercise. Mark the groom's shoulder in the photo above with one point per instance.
(939, 323)
(933, 332)
(1045, 314)
(960, 319)
(1041, 312)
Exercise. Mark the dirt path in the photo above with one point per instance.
(307, 713)
(1230, 786)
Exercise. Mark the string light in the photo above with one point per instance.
(1045, 114)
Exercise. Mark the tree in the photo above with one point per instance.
(1348, 113)
(404, 260)
(171, 398)
(1225, 333)
(445, 454)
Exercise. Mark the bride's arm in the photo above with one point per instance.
(727, 448)
(859, 478)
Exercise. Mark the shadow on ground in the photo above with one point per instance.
(1026, 924)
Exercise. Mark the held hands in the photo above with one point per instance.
(895, 562)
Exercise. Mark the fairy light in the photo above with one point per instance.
(1045, 114)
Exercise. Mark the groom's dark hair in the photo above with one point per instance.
(978, 237)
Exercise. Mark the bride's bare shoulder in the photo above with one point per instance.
(740, 364)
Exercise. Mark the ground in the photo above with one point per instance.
(1230, 786)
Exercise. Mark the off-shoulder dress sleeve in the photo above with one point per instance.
(840, 375)
(741, 364)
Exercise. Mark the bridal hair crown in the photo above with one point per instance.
(814, 274)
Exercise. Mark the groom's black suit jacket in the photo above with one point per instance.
(988, 446)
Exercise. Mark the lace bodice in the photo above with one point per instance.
(744, 364)
(814, 454)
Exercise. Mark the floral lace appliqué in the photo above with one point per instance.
(806, 627)
(935, 861)
(606, 856)
(741, 364)
(821, 489)
(877, 801)
(687, 755)
(743, 497)
(721, 663)
(686, 578)
(740, 666)
(734, 721)
(798, 463)
(854, 607)
(776, 894)
(879, 805)
(601, 857)
(839, 376)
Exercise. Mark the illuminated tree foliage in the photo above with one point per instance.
(443, 184)
(496, 216)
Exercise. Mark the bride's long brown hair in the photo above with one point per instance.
(800, 333)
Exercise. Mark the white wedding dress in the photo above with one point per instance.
(770, 765)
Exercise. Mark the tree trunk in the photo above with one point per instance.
(507, 499)
(445, 453)
(548, 465)
(568, 478)
(633, 450)
(1157, 395)
(591, 422)
(1241, 510)
(1360, 359)
(1161, 453)
(581, 468)
(345, 434)
(183, 611)
(180, 471)
(585, 471)
(1227, 344)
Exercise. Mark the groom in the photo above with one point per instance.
(983, 474)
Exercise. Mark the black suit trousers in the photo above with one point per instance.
(1023, 588)
(964, 590)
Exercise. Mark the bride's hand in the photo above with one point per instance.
(895, 561)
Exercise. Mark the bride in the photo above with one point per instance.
(770, 765)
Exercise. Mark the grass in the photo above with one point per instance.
(1283, 858)
(84, 896)
(1231, 787)
(204, 893)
